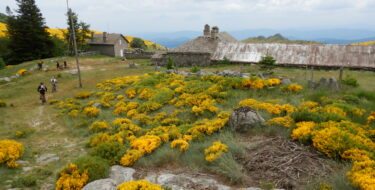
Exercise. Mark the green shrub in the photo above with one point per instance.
(350, 81)
(2, 63)
(163, 96)
(305, 115)
(267, 62)
(96, 167)
(170, 63)
(138, 43)
(370, 96)
(23, 133)
(351, 99)
(3, 104)
(195, 69)
(25, 181)
(111, 151)
(225, 61)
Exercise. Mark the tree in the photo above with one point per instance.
(138, 43)
(2, 63)
(81, 29)
(28, 36)
(267, 62)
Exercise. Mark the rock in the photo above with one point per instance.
(102, 184)
(333, 84)
(97, 105)
(245, 118)
(73, 72)
(26, 169)
(182, 181)
(245, 75)
(169, 71)
(323, 83)
(47, 158)
(260, 75)
(286, 81)
(22, 162)
(6, 79)
(229, 73)
(121, 174)
(184, 73)
(133, 65)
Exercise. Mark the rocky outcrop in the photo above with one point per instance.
(245, 118)
(119, 175)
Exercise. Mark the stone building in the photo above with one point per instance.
(197, 51)
(215, 46)
(114, 45)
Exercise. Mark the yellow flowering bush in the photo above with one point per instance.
(215, 151)
(371, 118)
(285, 121)
(83, 95)
(22, 72)
(146, 144)
(362, 174)
(130, 157)
(208, 127)
(131, 93)
(71, 179)
(10, 152)
(303, 130)
(139, 185)
(293, 88)
(275, 109)
(73, 113)
(182, 144)
(91, 111)
(98, 126)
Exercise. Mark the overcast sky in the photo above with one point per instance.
(138, 16)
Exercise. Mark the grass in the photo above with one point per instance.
(49, 131)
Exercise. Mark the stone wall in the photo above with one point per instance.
(136, 55)
(103, 49)
(184, 59)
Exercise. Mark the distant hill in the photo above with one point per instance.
(368, 43)
(277, 38)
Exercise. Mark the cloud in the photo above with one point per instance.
(132, 16)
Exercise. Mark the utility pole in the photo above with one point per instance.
(74, 44)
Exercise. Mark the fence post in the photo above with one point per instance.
(340, 76)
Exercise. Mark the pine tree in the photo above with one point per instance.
(29, 39)
(81, 29)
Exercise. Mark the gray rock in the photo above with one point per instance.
(229, 73)
(22, 162)
(182, 181)
(245, 75)
(97, 105)
(73, 72)
(323, 83)
(245, 118)
(333, 84)
(133, 65)
(121, 174)
(286, 81)
(47, 158)
(6, 79)
(102, 184)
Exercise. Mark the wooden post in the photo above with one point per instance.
(340, 76)
(312, 74)
(75, 45)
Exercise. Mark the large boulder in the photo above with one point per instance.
(245, 118)
(102, 184)
(121, 174)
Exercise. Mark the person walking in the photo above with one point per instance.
(54, 84)
(42, 89)
(58, 65)
(40, 65)
(65, 65)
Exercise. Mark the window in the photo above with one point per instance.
(120, 42)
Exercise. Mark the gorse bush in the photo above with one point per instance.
(111, 151)
(96, 167)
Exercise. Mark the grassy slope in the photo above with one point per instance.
(53, 135)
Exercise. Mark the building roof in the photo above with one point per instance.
(204, 44)
(292, 54)
(112, 39)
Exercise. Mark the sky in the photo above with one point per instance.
(139, 16)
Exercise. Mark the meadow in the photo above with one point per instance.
(140, 118)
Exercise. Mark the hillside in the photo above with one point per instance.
(177, 125)
(59, 33)
(367, 43)
(277, 38)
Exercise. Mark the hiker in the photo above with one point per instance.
(42, 89)
(54, 84)
(40, 65)
(65, 65)
(57, 65)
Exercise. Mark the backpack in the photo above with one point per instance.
(42, 89)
